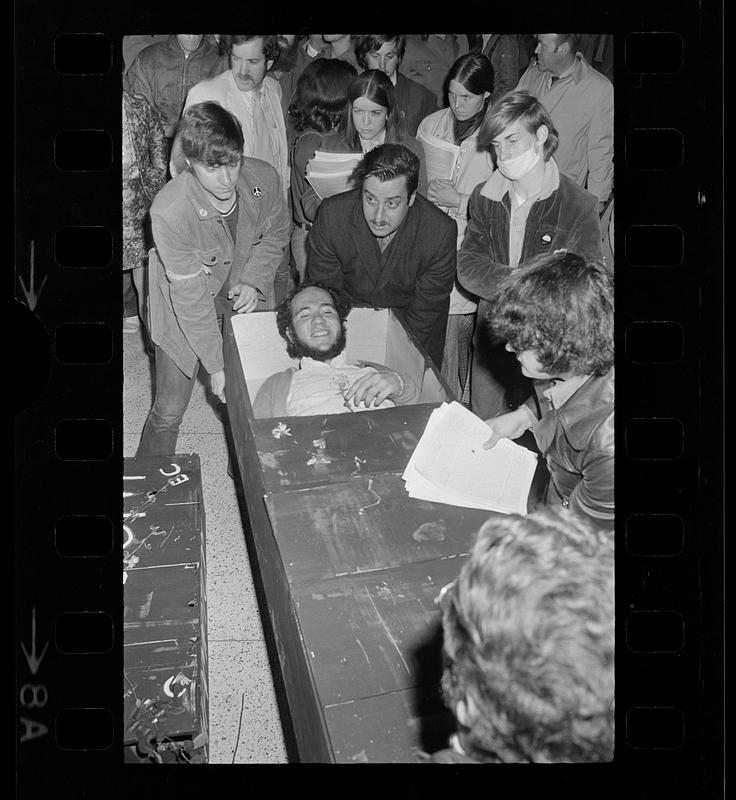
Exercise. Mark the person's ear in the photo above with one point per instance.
(542, 134)
(486, 95)
(289, 334)
(412, 199)
(564, 48)
(269, 63)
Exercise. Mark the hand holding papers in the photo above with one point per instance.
(329, 173)
(440, 156)
(450, 465)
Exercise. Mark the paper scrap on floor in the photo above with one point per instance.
(449, 464)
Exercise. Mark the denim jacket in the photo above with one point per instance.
(195, 257)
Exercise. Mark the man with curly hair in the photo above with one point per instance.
(311, 319)
(529, 643)
(556, 316)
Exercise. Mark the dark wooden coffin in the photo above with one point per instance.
(350, 565)
(165, 613)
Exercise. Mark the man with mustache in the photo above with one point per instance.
(254, 98)
(386, 246)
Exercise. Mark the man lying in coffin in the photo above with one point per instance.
(311, 319)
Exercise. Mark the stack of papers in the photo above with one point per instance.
(329, 173)
(449, 465)
(440, 156)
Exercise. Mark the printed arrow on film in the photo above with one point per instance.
(31, 295)
(33, 661)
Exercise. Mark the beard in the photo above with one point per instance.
(299, 349)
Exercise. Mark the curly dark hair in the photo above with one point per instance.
(560, 306)
(529, 640)
(284, 318)
(271, 49)
(320, 95)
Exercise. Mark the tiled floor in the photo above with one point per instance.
(239, 672)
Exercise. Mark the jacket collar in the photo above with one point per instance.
(586, 409)
(203, 208)
(577, 72)
(497, 185)
(174, 43)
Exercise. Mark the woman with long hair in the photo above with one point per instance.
(370, 118)
(470, 85)
(315, 109)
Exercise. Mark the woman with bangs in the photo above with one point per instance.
(315, 110)
(470, 83)
(219, 231)
(370, 118)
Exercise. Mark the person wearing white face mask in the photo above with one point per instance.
(525, 209)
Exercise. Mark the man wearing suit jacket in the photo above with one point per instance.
(385, 51)
(386, 246)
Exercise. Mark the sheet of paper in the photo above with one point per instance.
(328, 185)
(450, 465)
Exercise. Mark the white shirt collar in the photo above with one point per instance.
(308, 363)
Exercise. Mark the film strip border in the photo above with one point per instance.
(669, 454)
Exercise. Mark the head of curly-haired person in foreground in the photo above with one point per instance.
(557, 311)
(529, 641)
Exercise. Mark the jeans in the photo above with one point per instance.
(173, 393)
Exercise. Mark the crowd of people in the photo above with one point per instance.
(502, 271)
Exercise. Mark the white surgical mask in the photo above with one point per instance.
(515, 168)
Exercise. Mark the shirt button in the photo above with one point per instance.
(227, 263)
(212, 293)
(202, 212)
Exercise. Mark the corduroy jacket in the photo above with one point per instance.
(194, 258)
(565, 217)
